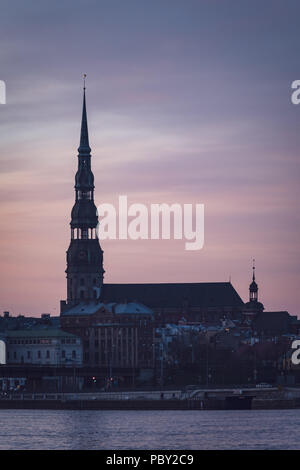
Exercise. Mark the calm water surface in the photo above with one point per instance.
(44, 429)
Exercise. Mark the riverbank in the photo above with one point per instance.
(199, 399)
(227, 403)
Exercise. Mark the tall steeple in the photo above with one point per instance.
(84, 256)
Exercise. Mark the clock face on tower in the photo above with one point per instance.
(82, 255)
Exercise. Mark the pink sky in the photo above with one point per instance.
(193, 107)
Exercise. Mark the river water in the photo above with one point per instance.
(153, 430)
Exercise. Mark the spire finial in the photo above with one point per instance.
(84, 148)
(253, 269)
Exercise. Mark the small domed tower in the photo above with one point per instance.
(253, 307)
(253, 288)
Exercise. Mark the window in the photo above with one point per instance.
(28, 355)
(74, 354)
(63, 354)
(82, 281)
(48, 354)
(39, 354)
(84, 234)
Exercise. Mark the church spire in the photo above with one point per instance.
(84, 256)
(84, 147)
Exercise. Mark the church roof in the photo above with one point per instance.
(129, 308)
(84, 308)
(168, 295)
(90, 308)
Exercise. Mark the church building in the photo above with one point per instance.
(95, 310)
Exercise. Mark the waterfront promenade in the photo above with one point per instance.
(222, 398)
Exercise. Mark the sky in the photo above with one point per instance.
(189, 101)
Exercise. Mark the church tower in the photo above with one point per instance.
(253, 307)
(253, 288)
(84, 256)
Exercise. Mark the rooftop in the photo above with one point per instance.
(38, 333)
(200, 294)
(90, 308)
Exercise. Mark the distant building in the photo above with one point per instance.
(20, 322)
(51, 347)
(274, 324)
(113, 335)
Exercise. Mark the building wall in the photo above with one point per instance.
(123, 342)
(44, 351)
(194, 314)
